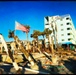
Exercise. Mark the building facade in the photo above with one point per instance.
(63, 27)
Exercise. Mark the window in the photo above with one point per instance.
(47, 18)
(67, 23)
(61, 24)
(67, 18)
(62, 34)
(62, 39)
(61, 19)
(61, 29)
(68, 28)
(68, 33)
(69, 39)
(47, 24)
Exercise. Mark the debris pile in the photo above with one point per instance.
(42, 62)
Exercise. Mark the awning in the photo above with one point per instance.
(67, 43)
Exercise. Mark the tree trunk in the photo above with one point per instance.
(27, 41)
(44, 41)
(52, 45)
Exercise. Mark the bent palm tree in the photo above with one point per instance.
(22, 49)
(47, 32)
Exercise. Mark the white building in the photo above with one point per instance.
(65, 28)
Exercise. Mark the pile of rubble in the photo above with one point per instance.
(39, 62)
(49, 64)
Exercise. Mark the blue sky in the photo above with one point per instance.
(31, 13)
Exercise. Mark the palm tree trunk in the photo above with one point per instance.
(52, 45)
(37, 41)
(44, 41)
(27, 40)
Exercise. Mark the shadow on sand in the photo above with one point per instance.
(49, 70)
(71, 65)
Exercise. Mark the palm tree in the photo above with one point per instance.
(22, 49)
(43, 41)
(35, 35)
(54, 57)
(43, 34)
(47, 32)
(55, 38)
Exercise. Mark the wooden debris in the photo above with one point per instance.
(36, 71)
(1, 70)
(54, 60)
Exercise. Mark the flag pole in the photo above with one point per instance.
(15, 27)
(27, 40)
(15, 32)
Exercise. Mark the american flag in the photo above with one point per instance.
(19, 26)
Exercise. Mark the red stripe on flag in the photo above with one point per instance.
(21, 27)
